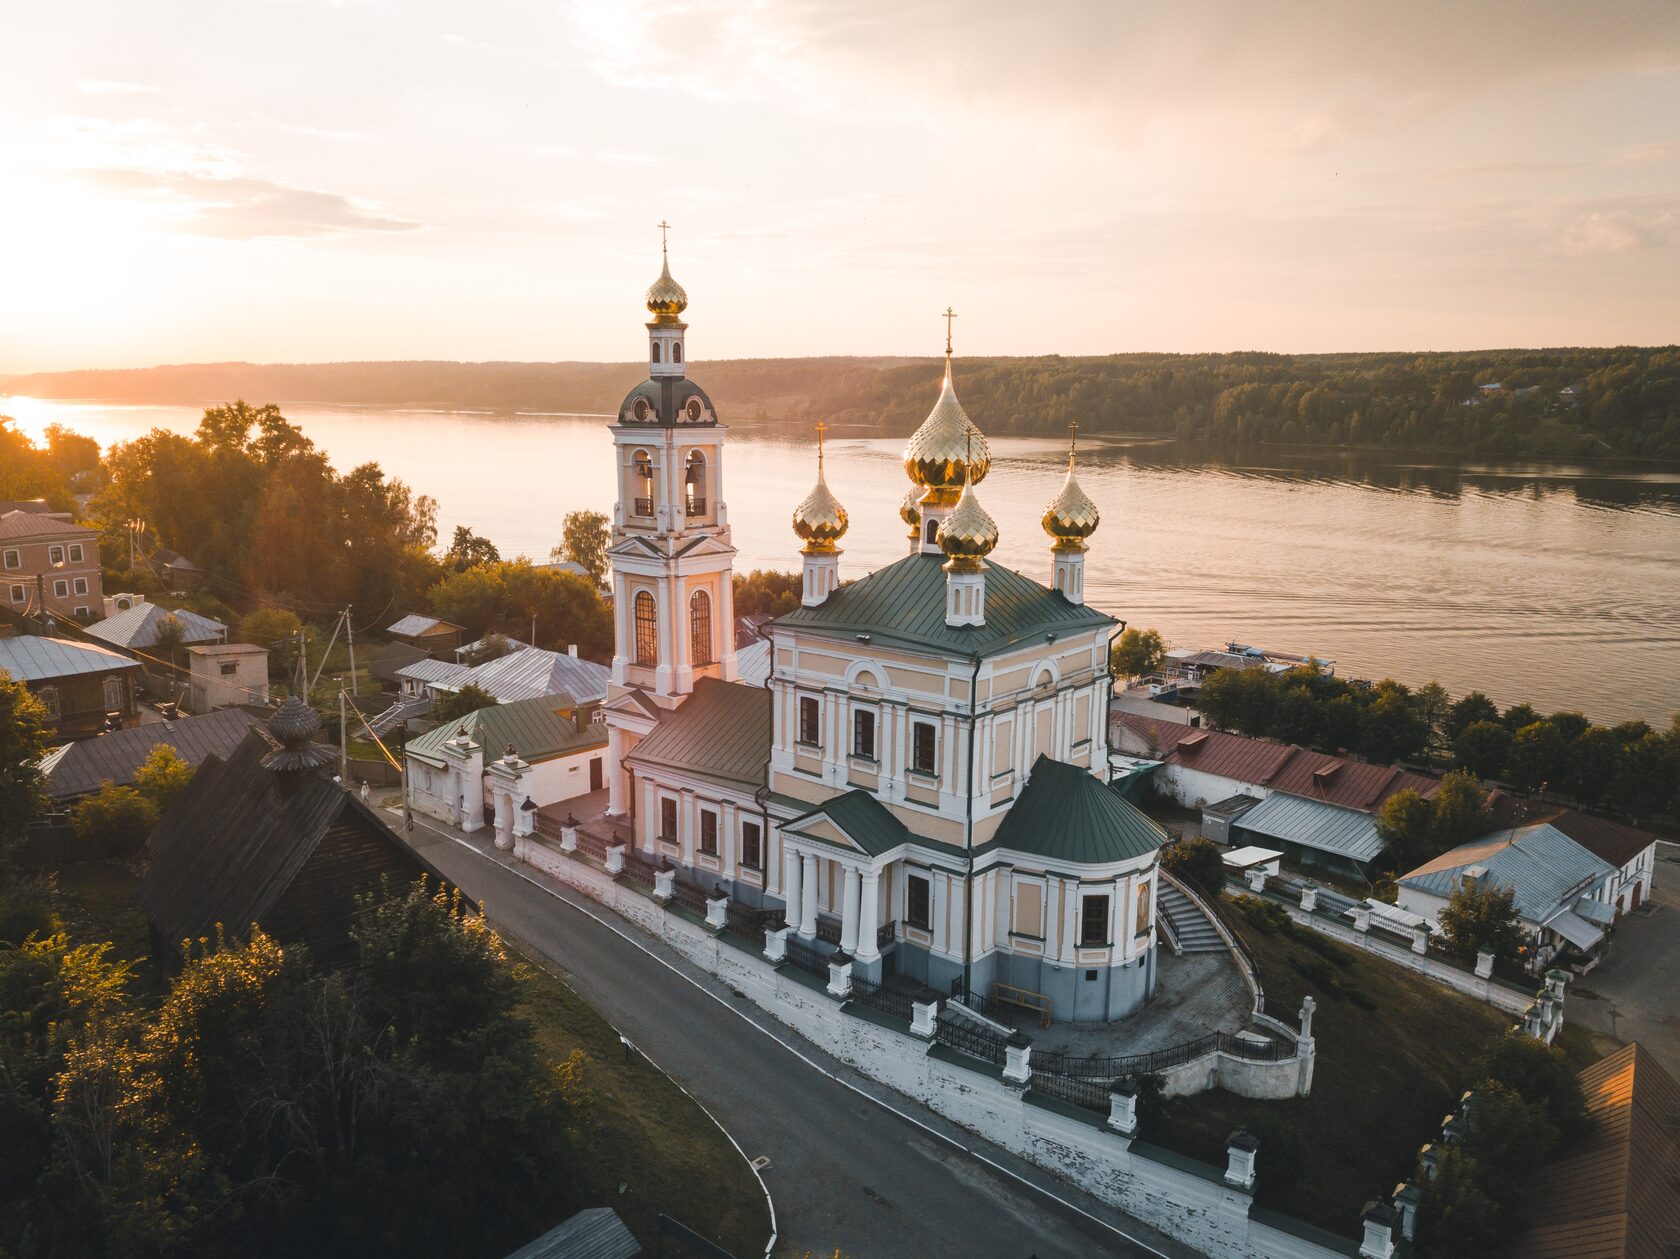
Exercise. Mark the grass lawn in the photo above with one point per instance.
(1395, 1051)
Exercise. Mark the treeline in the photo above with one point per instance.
(1562, 403)
(1630, 766)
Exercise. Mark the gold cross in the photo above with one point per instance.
(1073, 437)
(821, 429)
(663, 228)
(949, 315)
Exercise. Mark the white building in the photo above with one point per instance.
(226, 674)
(920, 780)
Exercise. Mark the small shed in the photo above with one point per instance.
(435, 637)
(1218, 816)
(1242, 860)
(594, 1233)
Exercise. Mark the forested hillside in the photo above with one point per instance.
(1568, 404)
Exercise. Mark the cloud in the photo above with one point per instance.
(1619, 230)
(113, 87)
(242, 208)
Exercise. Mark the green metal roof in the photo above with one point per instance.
(722, 730)
(536, 727)
(1065, 814)
(905, 603)
(869, 822)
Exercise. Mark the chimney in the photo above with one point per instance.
(571, 650)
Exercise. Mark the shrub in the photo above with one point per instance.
(1198, 861)
(114, 821)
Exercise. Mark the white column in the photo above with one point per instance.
(849, 912)
(792, 884)
(808, 899)
(869, 916)
(679, 622)
(623, 614)
(615, 772)
(662, 675)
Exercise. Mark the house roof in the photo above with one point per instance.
(30, 524)
(1279, 766)
(79, 767)
(392, 657)
(752, 663)
(425, 669)
(538, 729)
(137, 627)
(33, 658)
(1313, 824)
(722, 730)
(864, 819)
(596, 1233)
(1544, 867)
(904, 603)
(414, 625)
(1608, 841)
(1611, 1195)
(535, 671)
(1066, 814)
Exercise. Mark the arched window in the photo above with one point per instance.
(700, 627)
(647, 629)
(642, 468)
(694, 484)
(656, 351)
(114, 695)
(676, 351)
(48, 696)
(932, 532)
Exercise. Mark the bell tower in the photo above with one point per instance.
(671, 554)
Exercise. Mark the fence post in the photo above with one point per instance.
(615, 859)
(1407, 1196)
(664, 884)
(1256, 878)
(1484, 963)
(840, 974)
(1309, 898)
(1017, 1063)
(1240, 1151)
(568, 834)
(775, 944)
(924, 1014)
(717, 912)
(1122, 1106)
(1420, 939)
(1378, 1243)
(1362, 918)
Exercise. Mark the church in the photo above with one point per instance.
(920, 780)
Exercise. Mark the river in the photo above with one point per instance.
(1558, 586)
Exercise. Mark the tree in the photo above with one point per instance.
(274, 628)
(468, 550)
(23, 726)
(469, 699)
(1484, 748)
(1539, 756)
(114, 820)
(171, 634)
(163, 775)
(1137, 653)
(766, 592)
(1391, 727)
(1404, 823)
(1468, 711)
(1485, 917)
(1541, 1075)
(493, 646)
(1198, 860)
(1457, 810)
(584, 539)
(506, 595)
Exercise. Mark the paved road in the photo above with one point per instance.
(1638, 998)
(844, 1171)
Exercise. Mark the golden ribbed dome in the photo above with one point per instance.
(910, 512)
(947, 452)
(665, 297)
(1071, 516)
(819, 521)
(968, 534)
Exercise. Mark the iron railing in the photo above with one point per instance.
(1112, 1068)
(886, 934)
(1090, 1094)
(642, 506)
(806, 957)
(688, 896)
(962, 1036)
(897, 1004)
(594, 845)
(743, 920)
(828, 931)
(696, 507)
(638, 867)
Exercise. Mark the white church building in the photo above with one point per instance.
(921, 781)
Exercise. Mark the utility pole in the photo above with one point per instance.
(350, 633)
(343, 739)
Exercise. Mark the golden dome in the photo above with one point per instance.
(947, 452)
(665, 297)
(1071, 516)
(820, 520)
(910, 512)
(968, 534)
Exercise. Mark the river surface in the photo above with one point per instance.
(1558, 586)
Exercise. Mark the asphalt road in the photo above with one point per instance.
(1636, 997)
(844, 1170)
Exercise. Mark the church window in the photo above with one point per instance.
(863, 733)
(931, 535)
(810, 720)
(643, 476)
(694, 484)
(640, 410)
(700, 627)
(708, 832)
(656, 351)
(647, 630)
(918, 902)
(922, 748)
(752, 845)
(676, 351)
(668, 820)
(1093, 922)
(694, 410)
(1142, 928)
(1029, 910)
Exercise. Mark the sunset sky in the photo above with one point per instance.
(298, 181)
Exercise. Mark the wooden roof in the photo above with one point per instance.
(1613, 1196)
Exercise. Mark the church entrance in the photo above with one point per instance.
(597, 779)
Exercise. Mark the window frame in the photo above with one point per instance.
(61, 588)
(1086, 902)
(55, 554)
(911, 882)
(12, 557)
(814, 712)
(114, 683)
(700, 628)
(76, 553)
(645, 630)
(707, 845)
(48, 695)
(668, 810)
(230, 668)
(19, 593)
(79, 585)
(917, 726)
(752, 851)
(865, 722)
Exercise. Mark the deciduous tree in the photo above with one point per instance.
(584, 537)
(1482, 917)
(163, 776)
(1137, 653)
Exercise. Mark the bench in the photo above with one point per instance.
(1025, 999)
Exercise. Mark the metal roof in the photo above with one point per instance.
(1313, 824)
(533, 672)
(904, 603)
(1572, 927)
(596, 1233)
(28, 524)
(1066, 814)
(414, 624)
(722, 730)
(426, 669)
(861, 816)
(392, 657)
(80, 766)
(538, 729)
(752, 663)
(1608, 841)
(32, 658)
(137, 627)
(1544, 867)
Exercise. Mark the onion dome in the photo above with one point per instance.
(819, 521)
(665, 297)
(968, 534)
(295, 727)
(1071, 516)
(910, 512)
(947, 452)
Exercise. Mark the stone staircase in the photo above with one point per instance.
(1195, 934)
